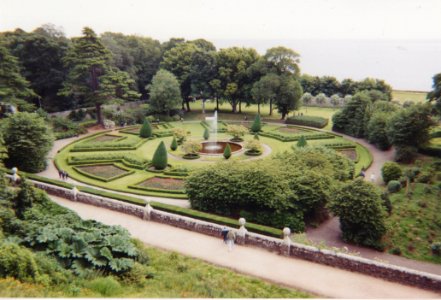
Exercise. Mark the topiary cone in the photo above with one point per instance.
(206, 134)
(174, 144)
(302, 142)
(146, 129)
(227, 151)
(159, 160)
(257, 124)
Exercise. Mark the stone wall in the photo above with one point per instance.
(326, 257)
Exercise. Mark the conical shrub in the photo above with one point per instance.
(146, 129)
(257, 124)
(174, 144)
(302, 142)
(227, 151)
(159, 160)
(206, 134)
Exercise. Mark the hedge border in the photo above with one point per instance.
(113, 148)
(119, 138)
(96, 177)
(311, 121)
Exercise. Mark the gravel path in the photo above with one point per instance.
(315, 278)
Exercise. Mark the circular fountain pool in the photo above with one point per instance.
(218, 147)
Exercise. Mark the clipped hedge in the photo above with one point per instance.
(430, 150)
(126, 159)
(222, 129)
(150, 189)
(294, 138)
(312, 121)
(339, 146)
(108, 147)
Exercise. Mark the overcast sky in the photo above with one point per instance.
(253, 23)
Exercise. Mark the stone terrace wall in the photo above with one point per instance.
(326, 257)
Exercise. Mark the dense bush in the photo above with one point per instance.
(311, 121)
(376, 130)
(351, 118)
(18, 262)
(405, 154)
(358, 205)
(424, 177)
(159, 160)
(28, 141)
(391, 171)
(393, 186)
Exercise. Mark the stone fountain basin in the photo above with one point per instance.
(218, 147)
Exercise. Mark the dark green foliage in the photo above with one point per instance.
(257, 124)
(351, 118)
(24, 199)
(28, 140)
(408, 129)
(174, 144)
(206, 134)
(391, 171)
(435, 94)
(387, 204)
(311, 121)
(424, 177)
(146, 129)
(159, 160)
(302, 142)
(376, 130)
(227, 151)
(165, 94)
(18, 262)
(106, 286)
(256, 137)
(291, 219)
(393, 186)
(362, 216)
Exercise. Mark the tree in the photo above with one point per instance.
(321, 99)
(435, 94)
(265, 90)
(90, 79)
(335, 100)
(307, 98)
(227, 151)
(203, 70)
(28, 140)
(24, 199)
(358, 204)
(159, 160)
(165, 94)
(288, 96)
(13, 87)
(282, 61)
(174, 144)
(146, 129)
(237, 131)
(257, 124)
(302, 142)
(409, 127)
(329, 85)
(206, 134)
(376, 130)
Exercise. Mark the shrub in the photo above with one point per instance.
(17, 262)
(394, 186)
(358, 204)
(257, 124)
(180, 134)
(391, 171)
(386, 202)
(376, 130)
(254, 145)
(311, 121)
(146, 129)
(159, 160)
(227, 151)
(174, 144)
(191, 147)
(405, 154)
(302, 142)
(206, 134)
(237, 131)
(28, 141)
(424, 177)
(106, 286)
(436, 248)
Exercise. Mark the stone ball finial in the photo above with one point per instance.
(286, 231)
(242, 221)
(14, 170)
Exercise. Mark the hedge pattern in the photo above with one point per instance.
(294, 138)
(312, 121)
(96, 177)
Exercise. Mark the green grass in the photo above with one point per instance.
(416, 221)
(413, 96)
(174, 276)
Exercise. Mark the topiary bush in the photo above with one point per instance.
(227, 151)
(257, 124)
(159, 160)
(394, 186)
(146, 129)
(174, 144)
(302, 142)
(206, 134)
(391, 171)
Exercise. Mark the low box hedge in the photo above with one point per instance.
(108, 147)
(430, 150)
(312, 121)
(294, 138)
(149, 189)
(96, 177)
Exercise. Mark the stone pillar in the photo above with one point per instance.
(286, 244)
(241, 233)
(147, 211)
(74, 193)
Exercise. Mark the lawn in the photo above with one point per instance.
(414, 96)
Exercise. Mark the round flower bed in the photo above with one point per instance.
(191, 156)
(253, 152)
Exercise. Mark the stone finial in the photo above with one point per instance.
(14, 170)
(286, 235)
(147, 211)
(242, 230)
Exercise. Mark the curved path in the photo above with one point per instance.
(315, 278)
(329, 232)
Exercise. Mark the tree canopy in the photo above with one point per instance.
(165, 94)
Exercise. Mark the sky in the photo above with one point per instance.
(260, 24)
